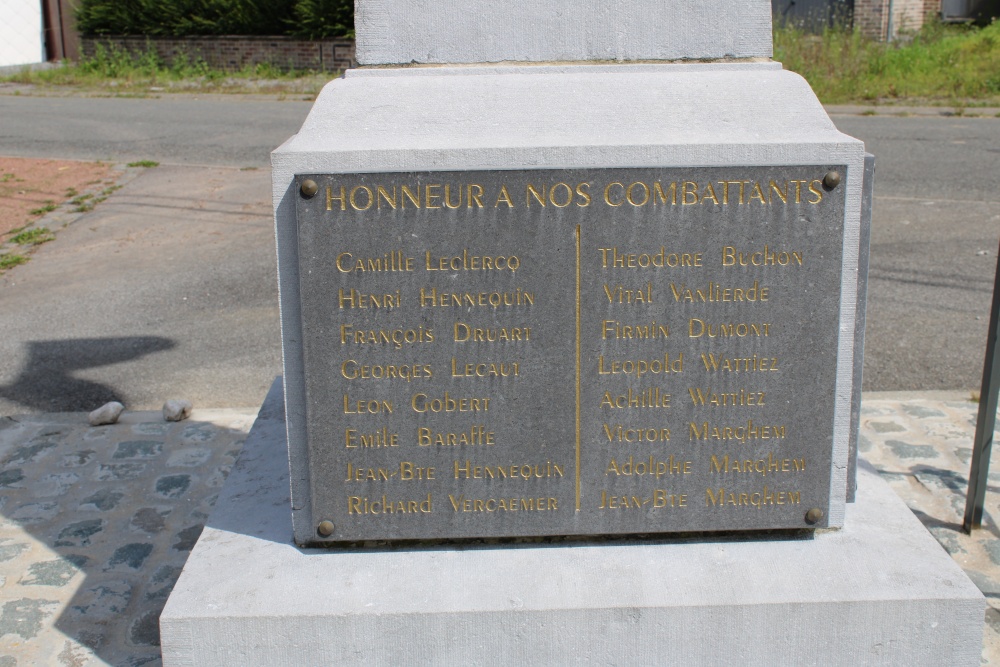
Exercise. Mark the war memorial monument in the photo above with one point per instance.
(572, 301)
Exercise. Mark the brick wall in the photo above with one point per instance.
(235, 52)
(871, 17)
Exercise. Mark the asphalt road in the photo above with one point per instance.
(77, 328)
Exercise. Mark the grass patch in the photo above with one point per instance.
(118, 72)
(943, 64)
(46, 208)
(36, 236)
(144, 163)
(11, 260)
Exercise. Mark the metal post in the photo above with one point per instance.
(889, 25)
(986, 421)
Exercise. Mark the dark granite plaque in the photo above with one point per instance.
(569, 352)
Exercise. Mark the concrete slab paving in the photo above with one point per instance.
(96, 522)
(166, 290)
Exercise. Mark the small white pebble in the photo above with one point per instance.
(176, 410)
(106, 414)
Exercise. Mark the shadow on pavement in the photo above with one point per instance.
(46, 382)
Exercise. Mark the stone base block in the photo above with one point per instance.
(879, 591)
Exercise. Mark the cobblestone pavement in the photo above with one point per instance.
(96, 523)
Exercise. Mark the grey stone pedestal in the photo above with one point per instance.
(879, 591)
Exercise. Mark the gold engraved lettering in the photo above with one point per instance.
(716, 293)
(764, 467)
(432, 298)
(640, 367)
(504, 197)
(475, 195)
(723, 399)
(368, 199)
(760, 499)
(815, 187)
(613, 258)
(330, 198)
(476, 435)
(366, 407)
(467, 262)
(389, 262)
(406, 471)
(354, 370)
(394, 337)
(652, 397)
(384, 505)
(524, 471)
(461, 503)
(620, 433)
(423, 404)
(652, 467)
(353, 298)
(408, 194)
(379, 439)
(660, 499)
(430, 195)
(618, 294)
(485, 370)
(698, 328)
(766, 257)
(741, 433)
(751, 364)
(635, 331)
(465, 333)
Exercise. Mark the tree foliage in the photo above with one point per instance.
(174, 18)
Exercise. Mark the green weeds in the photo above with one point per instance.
(144, 163)
(956, 65)
(36, 236)
(48, 207)
(11, 260)
(118, 72)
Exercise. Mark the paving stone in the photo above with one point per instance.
(150, 520)
(886, 427)
(103, 500)
(11, 551)
(189, 457)
(32, 513)
(151, 428)
(55, 484)
(50, 573)
(11, 478)
(107, 472)
(24, 617)
(922, 412)
(79, 533)
(145, 630)
(138, 449)
(77, 459)
(162, 582)
(905, 450)
(130, 555)
(8, 661)
(102, 601)
(29, 452)
(187, 538)
(198, 433)
(173, 486)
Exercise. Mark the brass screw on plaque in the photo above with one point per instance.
(309, 188)
(325, 528)
(814, 515)
(831, 180)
